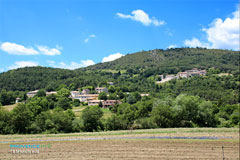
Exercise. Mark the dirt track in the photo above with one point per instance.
(66, 146)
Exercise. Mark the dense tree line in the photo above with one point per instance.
(182, 111)
(47, 115)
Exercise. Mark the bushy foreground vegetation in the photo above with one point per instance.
(52, 115)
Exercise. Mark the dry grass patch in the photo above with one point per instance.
(131, 149)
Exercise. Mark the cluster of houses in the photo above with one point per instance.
(92, 99)
(105, 104)
(186, 74)
(84, 96)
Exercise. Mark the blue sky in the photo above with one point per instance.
(72, 34)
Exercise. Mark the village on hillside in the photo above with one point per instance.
(185, 74)
(85, 96)
(92, 99)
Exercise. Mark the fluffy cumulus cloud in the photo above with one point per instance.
(49, 51)
(196, 43)
(224, 33)
(172, 46)
(221, 34)
(112, 57)
(21, 64)
(141, 16)
(72, 65)
(86, 63)
(16, 49)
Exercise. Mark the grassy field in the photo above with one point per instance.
(134, 144)
(114, 71)
(78, 111)
(9, 107)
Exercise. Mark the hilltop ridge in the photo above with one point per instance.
(144, 63)
(177, 59)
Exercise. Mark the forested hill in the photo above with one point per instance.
(31, 78)
(144, 64)
(175, 60)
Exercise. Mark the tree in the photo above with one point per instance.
(63, 103)
(100, 104)
(162, 115)
(131, 99)
(113, 123)
(76, 102)
(72, 87)
(52, 100)
(61, 86)
(137, 96)
(63, 92)
(102, 96)
(41, 93)
(111, 89)
(22, 118)
(205, 116)
(91, 119)
(127, 114)
(43, 122)
(113, 96)
(143, 109)
(63, 120)
(191, 111)
(120, 94)
(235, 117)
(37, 105)
(7, 97)
(144, 123)
(5, 122)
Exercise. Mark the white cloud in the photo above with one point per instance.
(21, 64)
(221, 34)
(1, 70)
(16, 49)
(141, 16)
(112, 57)
(196, 43)
(86, 40)
(172, 46)
(72, 65)
(86, 63)
(49, 51)
(157, 22)
(224, 33)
